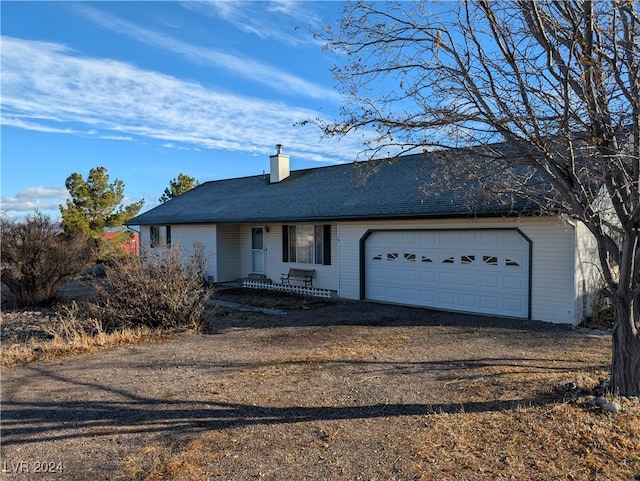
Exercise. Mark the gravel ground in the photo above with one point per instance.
(325, 390)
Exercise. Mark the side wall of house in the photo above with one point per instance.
(185, 236)
(553, 284)
(588, 273)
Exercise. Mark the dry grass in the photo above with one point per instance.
(70, 334)
(554, 442)
(557, 441)
(504, 422)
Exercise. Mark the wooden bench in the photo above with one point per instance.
(302, 275)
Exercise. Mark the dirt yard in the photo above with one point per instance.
(323, 391)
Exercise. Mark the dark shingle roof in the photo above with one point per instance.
(326, 194)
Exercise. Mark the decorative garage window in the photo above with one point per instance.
(448, 260)
(490, 260)
(408, 256)
(306, 244)
(511, 262)
(426, 259)
(160, 236)
(392, 256)
(467, 259)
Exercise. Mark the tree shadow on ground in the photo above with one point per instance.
(43, 420)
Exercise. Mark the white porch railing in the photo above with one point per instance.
(305, 291)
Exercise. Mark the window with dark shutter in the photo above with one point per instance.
(306, 244)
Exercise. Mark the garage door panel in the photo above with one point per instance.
(393, 274)
(490, 303)
(468, 280)
(376, 273)
(447, 278)
(410, 294)
(428, 277)
(428, 239)
(514, 283)
(513, 305)
(428, 297)
(445, 239)
(393, 293)
(410, 275)
(489, 281)
(489, 239)
(447, 299)
(410, 239)
(467, 300)
(485, 271)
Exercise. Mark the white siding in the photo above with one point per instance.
(552, 283)
(229, 253)
(588, 273)
(145, 236)
(186, 235)
(245, 250)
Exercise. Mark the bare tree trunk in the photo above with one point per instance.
(625, 365)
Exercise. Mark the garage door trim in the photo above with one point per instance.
(369, 232)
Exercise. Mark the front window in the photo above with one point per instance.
(160, 236)
(306, 244)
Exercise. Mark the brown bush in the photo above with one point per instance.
(37, 256)
(158, 289)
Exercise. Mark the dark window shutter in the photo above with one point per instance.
(326, 242)
(168, 235)
(285, 243)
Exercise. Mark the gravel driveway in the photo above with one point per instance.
(251, 375)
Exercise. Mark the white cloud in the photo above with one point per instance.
(33, 199)
(39, 127)
(171, 145)
(126, 138)
(46, 86)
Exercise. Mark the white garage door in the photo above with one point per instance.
(483, 271)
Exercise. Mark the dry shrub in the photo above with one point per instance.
(72, 333)
(37, 256)
(158, 290)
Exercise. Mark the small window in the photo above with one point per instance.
(377, 257)
(490, 260)
(160, 236)
(511, 263)
(467, 259)
(392, 256)
(408, 256)
(426, 259)
(448, 260)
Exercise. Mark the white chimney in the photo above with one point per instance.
(279, 165)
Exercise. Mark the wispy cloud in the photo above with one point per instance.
(233, 62)
(117, 137)
(39, 127)
(47, 86)
(291, 25)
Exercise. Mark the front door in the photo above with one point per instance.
(257, 250)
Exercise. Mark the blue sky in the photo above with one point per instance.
(153, 89)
